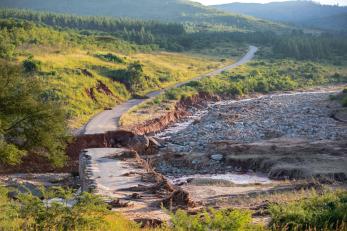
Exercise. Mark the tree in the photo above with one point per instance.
(27, 123)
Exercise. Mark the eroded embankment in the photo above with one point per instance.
(287, 136)
(181, 110)
(114, 139)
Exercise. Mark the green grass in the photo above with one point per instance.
(316, 211)
(69, 84)
(74, 65)
(262, 76)
(319, 212)
(228, 220)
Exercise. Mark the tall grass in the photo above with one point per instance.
(221, 220)
(320, 212)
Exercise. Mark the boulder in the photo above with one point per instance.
(123, 138)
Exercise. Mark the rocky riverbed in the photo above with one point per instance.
(293, 135)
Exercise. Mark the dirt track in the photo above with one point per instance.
(108, 120)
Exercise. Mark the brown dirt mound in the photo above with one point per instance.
(178, 199)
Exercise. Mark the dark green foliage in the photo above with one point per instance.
(305, 46)
(140, 32)
(342, 97)
(31, 65)
(133, 77)
(28, 124)
(111, 58)
(320, 212)
(307, 13)
(169, 11)
(228, 220)
(31, 213)
(170, 36)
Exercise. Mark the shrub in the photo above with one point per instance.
(180, 93)
(111, 58)
(31, 65)
(235, 90)
(321, 212)
(344, 101)
(31, 213)
(234, 220)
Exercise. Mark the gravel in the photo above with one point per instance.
(296, 115)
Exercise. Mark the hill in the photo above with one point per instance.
(305, 13)
(169, 10)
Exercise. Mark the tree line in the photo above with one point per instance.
(180, 37)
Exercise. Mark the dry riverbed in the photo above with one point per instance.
(245, 148)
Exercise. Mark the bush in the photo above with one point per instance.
(180, 93)
(111, 58)
(234, 220)
(320, 212)
(31, 65)
(31, 213)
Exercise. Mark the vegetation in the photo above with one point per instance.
(302, 13)
(181, 11)
(324, 211)
(320, 212)
(342, 97)
(84, 212)
(178, 37)
(263, 76)
(28, 122)
(87, 72)
(228, 220)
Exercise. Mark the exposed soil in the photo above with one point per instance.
(286, 136)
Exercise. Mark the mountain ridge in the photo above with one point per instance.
(168, 10)
(302, 13)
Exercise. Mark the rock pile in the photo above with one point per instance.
(275, 134)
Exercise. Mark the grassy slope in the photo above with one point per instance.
(71, 84)
(279, 74)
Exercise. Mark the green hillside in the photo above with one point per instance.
(333, 22)
(88, 72)
(169, 10)
(301, 13)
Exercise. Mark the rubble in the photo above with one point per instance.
(275, 134)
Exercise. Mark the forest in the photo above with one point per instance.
(181, 37)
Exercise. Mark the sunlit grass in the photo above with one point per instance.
(262, 76)
(62, 72)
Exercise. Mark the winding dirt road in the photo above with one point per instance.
(109, 120)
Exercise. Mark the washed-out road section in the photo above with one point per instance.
(109, 120)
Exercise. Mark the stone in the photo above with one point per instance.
(217, 157)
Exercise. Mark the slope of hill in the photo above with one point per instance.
(88, 73)
(332, 22)
(298, 12)
(168, 10)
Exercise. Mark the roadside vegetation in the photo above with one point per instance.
(88, 212)
(262, 76)
(319, 212)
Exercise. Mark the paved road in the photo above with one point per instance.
(108, 120)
